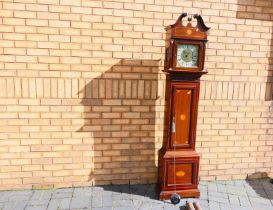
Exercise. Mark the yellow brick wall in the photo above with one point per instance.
(82, 92)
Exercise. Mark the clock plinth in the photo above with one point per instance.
(193, 193)
(184, 62)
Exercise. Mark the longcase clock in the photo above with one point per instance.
(184, 63)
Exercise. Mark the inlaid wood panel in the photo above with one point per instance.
(183, 117)
(180, 173)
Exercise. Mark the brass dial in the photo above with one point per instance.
(187, 56)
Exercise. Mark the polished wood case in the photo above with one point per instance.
(178, 161)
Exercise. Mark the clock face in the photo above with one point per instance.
(187, 56)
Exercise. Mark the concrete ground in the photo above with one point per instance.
(217, 195)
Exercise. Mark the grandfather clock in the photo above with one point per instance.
(184, 62)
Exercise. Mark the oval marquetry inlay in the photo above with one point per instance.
(189, 32)
(180, 173)
(189, 92)
(182, 117)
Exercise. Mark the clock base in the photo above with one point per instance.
(192, 193)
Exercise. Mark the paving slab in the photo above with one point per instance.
(214, 205)
(224, 206)
(40, 202)
(42, 194)
(80, 202)
(21, 205)
(233, 199)
(59, 204)
(217, 195)
(103, 208)
(221, 188)
(235, 207)
(36, 208)
(244, 201)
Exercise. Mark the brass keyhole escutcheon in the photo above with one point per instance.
(180, 173)
(182, 117)
(189, 92)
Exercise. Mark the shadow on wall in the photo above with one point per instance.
(260, 10)
(121, 117)
(261, 185)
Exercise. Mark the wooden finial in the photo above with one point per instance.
(190, 18)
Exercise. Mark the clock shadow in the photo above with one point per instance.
(123, 124)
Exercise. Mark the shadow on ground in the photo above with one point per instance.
(141, 192)
(138, 190)
(261, 184)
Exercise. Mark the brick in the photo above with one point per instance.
(14, 21)
(59, 38)
(24, 14)
(6, 28)
(7, 58)
(69, 2)
(143, 28)
(37, 7)
(82, 10)
(6, 13)
(14, 36)
(47, 30)
(37, 37)
(13, 6)
(58, 23)
(37, 52)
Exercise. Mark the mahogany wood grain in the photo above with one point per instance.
(182, 110)
(189, 164)
(184, 102)
(180, 173)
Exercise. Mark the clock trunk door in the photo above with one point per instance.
(184, 115)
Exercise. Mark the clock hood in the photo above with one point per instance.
(178, 30)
